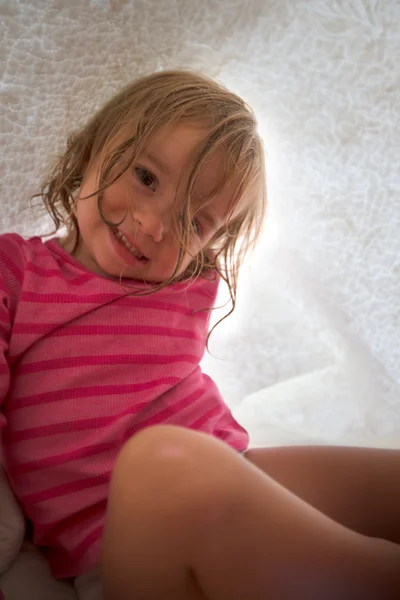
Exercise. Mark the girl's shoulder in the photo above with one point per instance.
(13, 263)
(19, 250)
(13, 239)
(12, 251)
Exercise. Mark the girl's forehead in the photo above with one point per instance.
(174, 145)
(172, 150)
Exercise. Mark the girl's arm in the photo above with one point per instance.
(11, 278)
(12, 524)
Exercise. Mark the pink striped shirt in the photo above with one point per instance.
(84, 364)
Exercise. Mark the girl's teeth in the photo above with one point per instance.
(127, 245)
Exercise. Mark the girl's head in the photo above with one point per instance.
(165, 182)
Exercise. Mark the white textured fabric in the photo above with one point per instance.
(313, 351)
(29, 578)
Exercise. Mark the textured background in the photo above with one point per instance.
(313, 351)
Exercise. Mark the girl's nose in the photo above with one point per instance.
(152, 225)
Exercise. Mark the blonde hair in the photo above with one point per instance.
(119, 132)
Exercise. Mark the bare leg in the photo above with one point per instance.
(190, 519)
(357, 487)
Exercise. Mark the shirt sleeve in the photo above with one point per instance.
(11, 277)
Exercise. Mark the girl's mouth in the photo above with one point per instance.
(134, 251)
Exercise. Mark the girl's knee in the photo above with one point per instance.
(165, 461)
(164, 445)
(156, 454)
(159, 444)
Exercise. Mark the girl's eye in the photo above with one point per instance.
(196, 226)
(146, 178)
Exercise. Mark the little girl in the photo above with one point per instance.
(130, 468)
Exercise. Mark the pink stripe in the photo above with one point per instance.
(139, 302)
(61, 428)
(89, 391)
(65, 457)
(43, 272)
(78, 425)
(71, 522)
(46, 253)
(34, 328)
(84, 546)
(106, 359)
(66, 488)
(125, 299)
(11, 266)
(164, 415)
(62, 298)
(206, 417)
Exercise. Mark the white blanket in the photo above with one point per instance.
(313, 351)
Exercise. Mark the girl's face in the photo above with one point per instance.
(145, 246)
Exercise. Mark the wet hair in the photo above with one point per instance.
(121, 130)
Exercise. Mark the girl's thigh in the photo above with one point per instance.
(357, 487)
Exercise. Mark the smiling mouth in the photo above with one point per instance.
(120, 236)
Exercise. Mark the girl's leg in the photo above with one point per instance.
(357, 487)
(190, 519)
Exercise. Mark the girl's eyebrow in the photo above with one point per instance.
(160, 164)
